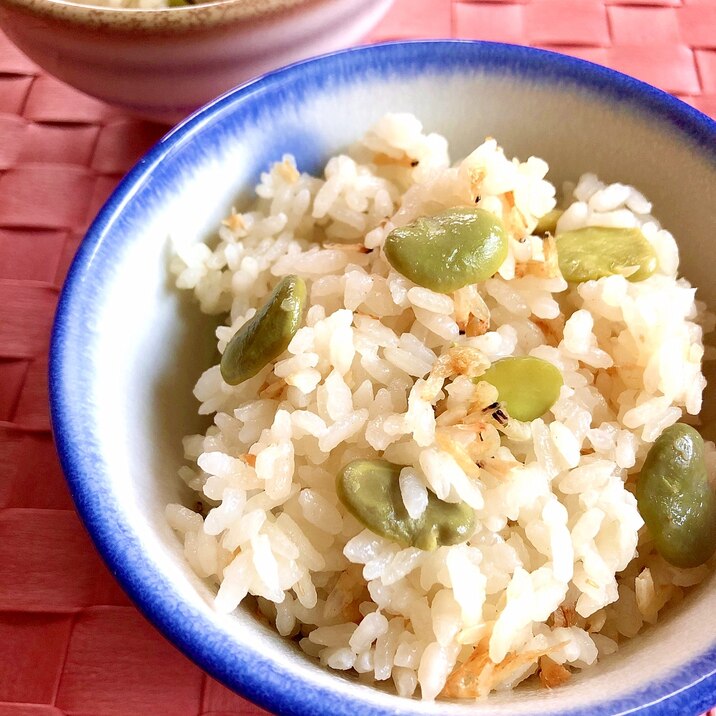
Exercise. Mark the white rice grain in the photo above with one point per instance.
(413, 492)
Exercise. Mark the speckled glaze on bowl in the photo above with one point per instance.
(127, 348)
(164, 63)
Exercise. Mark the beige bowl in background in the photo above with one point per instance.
(164, 63)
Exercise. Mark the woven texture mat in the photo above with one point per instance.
(70, 641)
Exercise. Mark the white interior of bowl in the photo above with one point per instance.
(145, 344)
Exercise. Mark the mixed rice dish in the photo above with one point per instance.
(453, 438)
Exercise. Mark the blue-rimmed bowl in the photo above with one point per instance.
(127, 348)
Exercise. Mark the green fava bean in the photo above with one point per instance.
(597, 251)
(675, 498)
(370, 491)
(267, 334)
(450, 250)
(528, 387)
(548, 223)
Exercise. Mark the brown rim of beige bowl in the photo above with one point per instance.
(202, 16)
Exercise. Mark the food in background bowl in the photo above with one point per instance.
(443, 411)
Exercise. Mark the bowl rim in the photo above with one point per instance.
(201, 17)
(693, 686)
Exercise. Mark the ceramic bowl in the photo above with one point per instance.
(127, 348)
(164, 63)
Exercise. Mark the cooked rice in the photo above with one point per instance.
(559, 570)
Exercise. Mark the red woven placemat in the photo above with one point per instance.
(70, 641)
